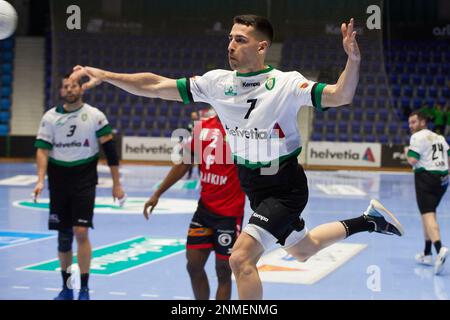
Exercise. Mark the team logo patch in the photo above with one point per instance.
(230, 90)
(86, 143)
(84, 117)
(304, 85)
(225, 239)
(270, 83)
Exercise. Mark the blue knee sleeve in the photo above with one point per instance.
(65, 239)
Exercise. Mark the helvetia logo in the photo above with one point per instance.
(368, 155)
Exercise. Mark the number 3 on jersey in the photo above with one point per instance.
(72, 131)
(252, 106)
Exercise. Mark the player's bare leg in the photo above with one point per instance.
(246, 253)
(223, 272)
(84, 259)
(196, 260)
(431, 226)
(84, 248)
(425, 257)
(317, 239)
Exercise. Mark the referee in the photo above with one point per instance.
(67, 150)
(429, 156)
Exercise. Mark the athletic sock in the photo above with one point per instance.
(356, 225)
(65, 277)
(427, 250)
(437, 246)
(84, 280)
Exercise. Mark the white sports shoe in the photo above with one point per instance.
(376, 214)
(424, 259)
(440, 259)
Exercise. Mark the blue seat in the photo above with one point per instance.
(4, 129)
(5, 116)
(383, 139)
(421, 92)
(370, 138)
(343, 127)
(370, 114)
(371, 90)
(440, 80)
(407, 91)
(417, 103)
(432, 92)
(5, 104)
(357, 114)
(357, 137)
(392, 128)
(416, 79)
(330, 137)
(355, 127)
(405, 79)
(129, 132)
(316, 136)
(6, 92)
(143, 132)
(343, 137)
(155, 132)
(383, 114)
(445, 92)
(330, 127)
(380, 128)
(367, 128)
(396, 90)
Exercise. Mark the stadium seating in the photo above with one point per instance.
(6, 80)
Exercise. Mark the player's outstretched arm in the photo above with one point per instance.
(343, 91)
(176, 173)
(142, 84)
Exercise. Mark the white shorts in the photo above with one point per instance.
(267, 240)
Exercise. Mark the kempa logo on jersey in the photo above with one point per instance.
(248, 133)
(345, 155)
(250, 84)
(260, 217)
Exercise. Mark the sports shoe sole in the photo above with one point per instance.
(377, 205)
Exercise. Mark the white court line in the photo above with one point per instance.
(52, 289)
(150, 295)
(20, 287)
(183, 298)
(115, 293)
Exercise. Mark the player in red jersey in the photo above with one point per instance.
(218, 220)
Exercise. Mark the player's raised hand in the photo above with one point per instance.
(151, 203)
(349, 41)
(95, 75)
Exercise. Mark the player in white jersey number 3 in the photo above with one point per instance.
(67, 149)
(258, 108)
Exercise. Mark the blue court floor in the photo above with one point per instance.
(139, 259)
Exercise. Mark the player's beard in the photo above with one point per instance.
(71, 99)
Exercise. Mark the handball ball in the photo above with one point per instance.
(8, 19)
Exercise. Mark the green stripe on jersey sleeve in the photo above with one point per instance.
(318, 90)
(413, 154)
(42, 144)
(182, 89)
(104, 131)
(448, 152)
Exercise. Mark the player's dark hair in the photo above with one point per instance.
(260, 24)
(67, 76)
(419, 115)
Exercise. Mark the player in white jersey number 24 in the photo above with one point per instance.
(258, 108)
